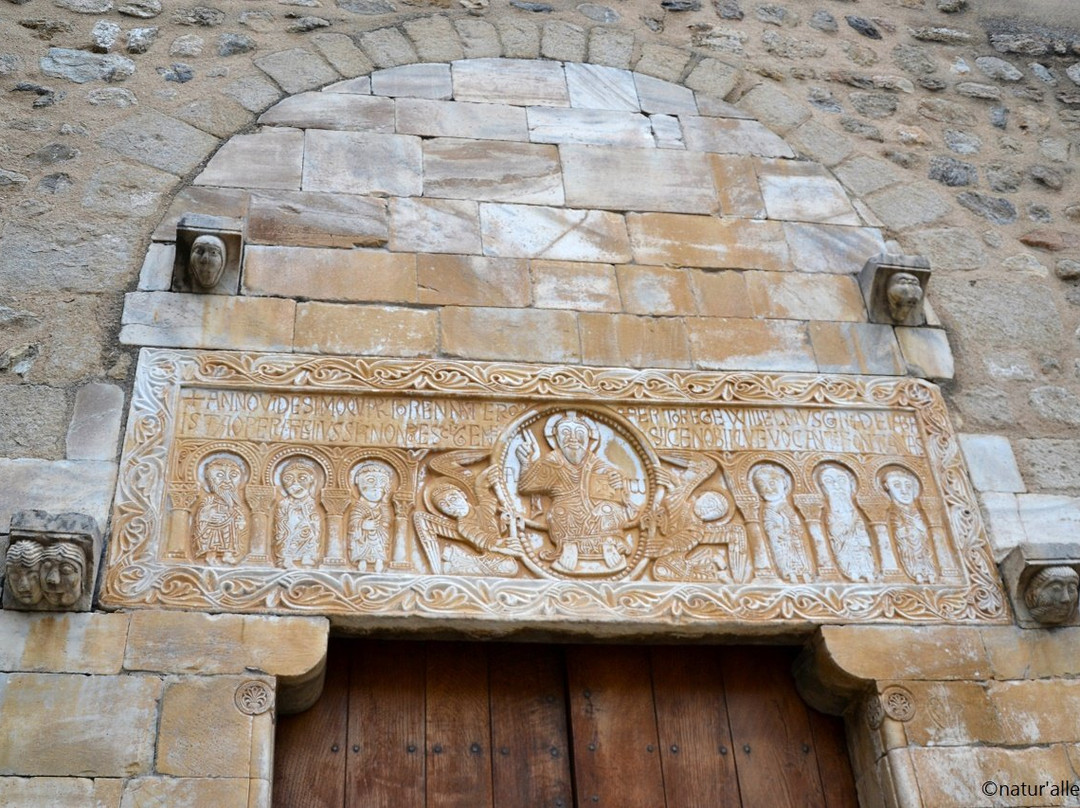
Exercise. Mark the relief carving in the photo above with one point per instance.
(1043, 581)
(208, 253)
(582, 498)
(50, 562)
(894, 288)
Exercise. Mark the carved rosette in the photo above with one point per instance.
(898, 703)
(511, 494)
(253, 697)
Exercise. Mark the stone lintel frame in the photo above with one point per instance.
(162, 554)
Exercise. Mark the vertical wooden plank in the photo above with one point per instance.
(834, 765)
(769, 719)
(307, 772)
(613, 728)
(691, 716)
(530, 746)
(386, 726)
(458, 726)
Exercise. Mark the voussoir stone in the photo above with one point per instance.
(82, 66)
(159, 141)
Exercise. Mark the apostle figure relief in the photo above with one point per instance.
(219, 532)
(370, 520)
(297, 518)
(845, 525)
(910, 533)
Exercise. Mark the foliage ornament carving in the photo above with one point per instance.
(898, 703)
(504, 496)
(253, 697)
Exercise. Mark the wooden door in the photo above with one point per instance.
(473, 725)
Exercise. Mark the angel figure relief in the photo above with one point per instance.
(468, 513)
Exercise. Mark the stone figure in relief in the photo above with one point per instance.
(844, 524)
(908, 528)
(782, 524)
(903, 293)
(62, 571)
(23, 571)
(371, 516)
(220, 521)
(1051, 594)
(298, 523)
(589, 497)
(207, 260)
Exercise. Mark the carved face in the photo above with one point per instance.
(373, 482)
(837, 483)
(710, 506)
(298, 479)
(451, 501)
(223, 478)
(23, 572)
(62, 568)
(572, 438)
(902, 487)
(772, 483)
(207, 260)
(904, 294)
(1051, 595)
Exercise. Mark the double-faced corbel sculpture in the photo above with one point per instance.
(50, 563)
(208, 251)
(894, 288)
(1043, 581)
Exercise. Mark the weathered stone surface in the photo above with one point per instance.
(492, 171)
(414, 81)
(297, 69)
(104, 35)
(486, 333)
(60, 792)
(945, 653)
(511, 81)
(520, 38)
(342, 54)
(952, 172)
(927, 352)
(82, 66)
(729, 344)
(995, 68)
(636, 179)
(270, 159)
(187, 45)
(729, 136)
(799, 191)
(143, 9)
(464, 280)
(139, 40)
(737, 188)
(1055, 404)
(434, 38)
(459, 119)
(387, 47)
(641, 342)
(667, 132)
(156, 272)
(588, 127)
(856, 348)
(655, 95)
(68, 713)
(479, 38)
(820, 142)
(144, 792)
(330, 274)
(599, 87)
(435, 225)
(306, 219)
(574, 285)
(903, 206)
(1049, 519)
(798, 296)
(563, 41)
(863, 175)
(1003, 524)
(33, 415)
(95, 425)
(68, 642)
(124, 189)
(704, 241)
(991, 463)
(332, 111)
(253, 93)
(56, 486)
(1050, 464)
(830, 248)
(159, 141)
(376, 330)
(203, 16)
(954, 777)
(207, 321)
(656, 290)
(950, 248)
(720, 294)
(997, 209)
(560, 234)
(362, 163)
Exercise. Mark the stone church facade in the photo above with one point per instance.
(707, 322)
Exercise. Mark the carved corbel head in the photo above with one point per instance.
(208, 252)
(1043, 582)
(51, 562)
(894, 288)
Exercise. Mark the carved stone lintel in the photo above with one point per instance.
(894, 288)
(51, 562)
(208, 253)
(1042, 583)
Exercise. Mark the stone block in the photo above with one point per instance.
(598, 87)
(574, 285)
(208, 254)
(434, 38)
(821, 143)
(1018, 654)
(803, 192)
(611, 47)
(435, 226)
(957, 777)
(414, 81)
(520, 38)
(273, 158)
(387, 47)
(418, 116)
(297, 70)
(656, 290)
(159, 141)
(361, 85)
(926, 352)
(894, 288)
(705, 241)
(33, 418)
(329, 274)
(659, 96)
(801, 296)
(153, 792)
(890, 653)
(492, 171)
(362, 163)
(219, 116)
(228, 202)
(83, 726)
(907, 205)
(623, 340)
(342, 54)
(636, 179)
(716, 108)
(377, 330)
(662, 61)
(737, 188)
(1003, 525)
(713, 77)
(952, 714)
(470, 280)
(207, 321)
(156, 272)
(999, 314)
(667, 132)
(774, 108)
(991, 463)
(253, 93)
(949, 248)
(720, 294)
(863, 348)
(732, 344)
(84, 486)
(1048, 518)
(863, 175)
(519, 82)
(315, 110)
(308, 219)
(203, 733)
(94, 430)
(60, 792)
(489, 333)
(126, 189)
(479, 38)
(64, 642)
(531, 231)
(589, 127)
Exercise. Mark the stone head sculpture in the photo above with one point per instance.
(63, 569)
(904, 293)
(894, 288)
(23, 563)
(208, 253)
(50, 564)
(1051, 594)
(207, 260)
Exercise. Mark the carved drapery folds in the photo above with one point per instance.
(529, 495)
(50, 563)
